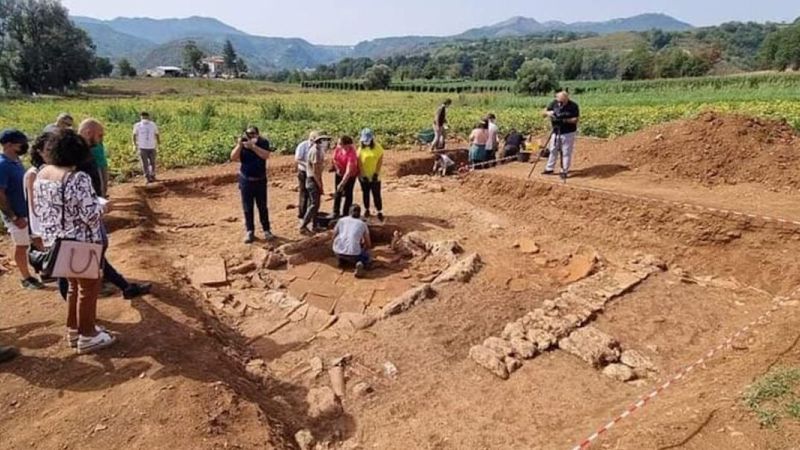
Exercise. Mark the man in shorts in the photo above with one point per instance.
(13, 206)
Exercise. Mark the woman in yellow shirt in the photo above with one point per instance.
(370, 160)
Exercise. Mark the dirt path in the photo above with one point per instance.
(180, 376)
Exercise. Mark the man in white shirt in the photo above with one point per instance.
(300, 156)
(146, 141)
(492, 142)
(351, 241)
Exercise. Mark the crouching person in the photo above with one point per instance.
(351, 242)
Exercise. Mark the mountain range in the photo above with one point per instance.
(151, 42)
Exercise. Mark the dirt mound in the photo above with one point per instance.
(717, 148)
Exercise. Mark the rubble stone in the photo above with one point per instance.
(462, 271)
(512, 364)
(619, 372)
(591, 345)
(513, 330)
(408, 300)
(305, 440)
(501, 347)
(636, 360)
(523, 348)
(322, 402)
(489, 360)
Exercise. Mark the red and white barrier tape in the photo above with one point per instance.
(491, 162)
(643, 401)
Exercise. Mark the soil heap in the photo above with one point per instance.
(716, 148)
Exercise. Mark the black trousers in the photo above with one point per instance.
(371, 188)
(254, 192)
(346, 193)
(302, 195)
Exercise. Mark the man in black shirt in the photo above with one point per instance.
(439, 122)
(564, 115)
(253, 151)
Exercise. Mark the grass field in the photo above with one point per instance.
(199, 119)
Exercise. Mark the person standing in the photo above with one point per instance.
(146, 140)
(492, 140)
(351, 241)
(92, 132)
(300, 156)
(64, 121)
(69, 209)
(477, 142)
(315, 164)
(370, 163)
(37, 161)
(13, 207)
(564, 115)
(99, 154)
(439, 124)
(345, 163)
(253, 151)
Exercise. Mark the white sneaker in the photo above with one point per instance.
(73, 335)
(93, 344)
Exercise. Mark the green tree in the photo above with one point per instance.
(378, 77)
(103, 67)
(193, 58)
(230, 57)
(125, 68)
(537, 76)
(781, 49)
(241, 67)
(42, 50)
(637, 64)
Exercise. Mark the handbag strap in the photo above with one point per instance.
(64, 180)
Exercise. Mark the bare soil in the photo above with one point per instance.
(208, 367)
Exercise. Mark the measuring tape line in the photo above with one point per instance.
(643, 401)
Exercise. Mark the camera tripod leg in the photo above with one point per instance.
(539, 155)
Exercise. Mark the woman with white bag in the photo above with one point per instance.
(70, 215)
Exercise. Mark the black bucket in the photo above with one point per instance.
(323, 220)
(524, 157)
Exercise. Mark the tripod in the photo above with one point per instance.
(555, 136)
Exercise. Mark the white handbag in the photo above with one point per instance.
(69, 258)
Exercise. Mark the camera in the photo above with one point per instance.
(244, 138)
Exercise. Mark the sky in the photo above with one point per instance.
(347, 22)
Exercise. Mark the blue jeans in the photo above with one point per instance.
(254, 191)
(363, 258)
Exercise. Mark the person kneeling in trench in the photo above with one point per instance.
(351, 241)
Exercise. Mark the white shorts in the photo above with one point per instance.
(19, 236)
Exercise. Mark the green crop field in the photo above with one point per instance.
(200, 118)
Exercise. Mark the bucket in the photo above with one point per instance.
(323, 220)
(524, 156)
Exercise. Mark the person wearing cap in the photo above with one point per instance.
(315, 164)
(146, 140)
(64, 121)
(253, 151)
(300, 155)
(13, 206)
(370, 162)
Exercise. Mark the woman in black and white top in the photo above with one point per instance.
(76, 213)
